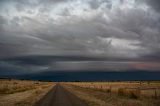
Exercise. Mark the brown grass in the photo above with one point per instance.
(134, 88)
(22, 92)
(121, 92)
(135, 94)
(13, 86)
(118, 97)
(32, 99)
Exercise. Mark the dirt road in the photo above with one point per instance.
(59, 96)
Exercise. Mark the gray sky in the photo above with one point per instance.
(79, 34)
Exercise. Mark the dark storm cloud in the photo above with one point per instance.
(39, 33)
(38, 64)
(97, 3)
(46, 60)
(2, 22)
(155, 4)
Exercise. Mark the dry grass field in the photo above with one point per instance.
(22, 92)
(134, 93)
(143, 88)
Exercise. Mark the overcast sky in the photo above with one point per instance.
(111, 35)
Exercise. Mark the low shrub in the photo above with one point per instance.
(121, 92)
(135, 94)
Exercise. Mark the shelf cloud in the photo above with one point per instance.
(79, 34)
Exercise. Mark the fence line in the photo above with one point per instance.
(110, 88)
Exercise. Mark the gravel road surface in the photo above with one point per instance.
(59, 96)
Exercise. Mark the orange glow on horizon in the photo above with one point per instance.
(147, 65)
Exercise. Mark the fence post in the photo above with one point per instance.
(140, 83)
(110, 90)
(139, 92)
(155, 93)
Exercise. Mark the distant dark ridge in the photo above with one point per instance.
(90, 76)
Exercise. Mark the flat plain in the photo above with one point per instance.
(38, 93)
(121, 93)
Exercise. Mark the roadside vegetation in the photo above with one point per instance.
(134, 93)
(22, 92)
(13, 86)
